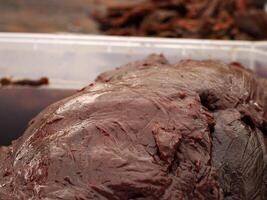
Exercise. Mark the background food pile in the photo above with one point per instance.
(215, 19)
(212, 19)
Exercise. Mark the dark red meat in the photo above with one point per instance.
(209, 19)
(147, 130)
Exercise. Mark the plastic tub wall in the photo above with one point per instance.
(72, 61)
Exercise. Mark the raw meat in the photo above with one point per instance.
(147, 130)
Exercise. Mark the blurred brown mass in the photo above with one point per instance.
(210, 19)
(5, 81)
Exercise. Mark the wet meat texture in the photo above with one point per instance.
(147, 130)
(212, 19)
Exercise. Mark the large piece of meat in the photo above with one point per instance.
(147, 130)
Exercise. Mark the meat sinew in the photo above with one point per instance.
(147, 130)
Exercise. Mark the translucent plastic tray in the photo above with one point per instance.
(73, 61)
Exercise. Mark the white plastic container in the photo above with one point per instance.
(73, 61)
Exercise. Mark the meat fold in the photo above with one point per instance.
(147, 130)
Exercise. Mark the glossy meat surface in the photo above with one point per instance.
(147, 130)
